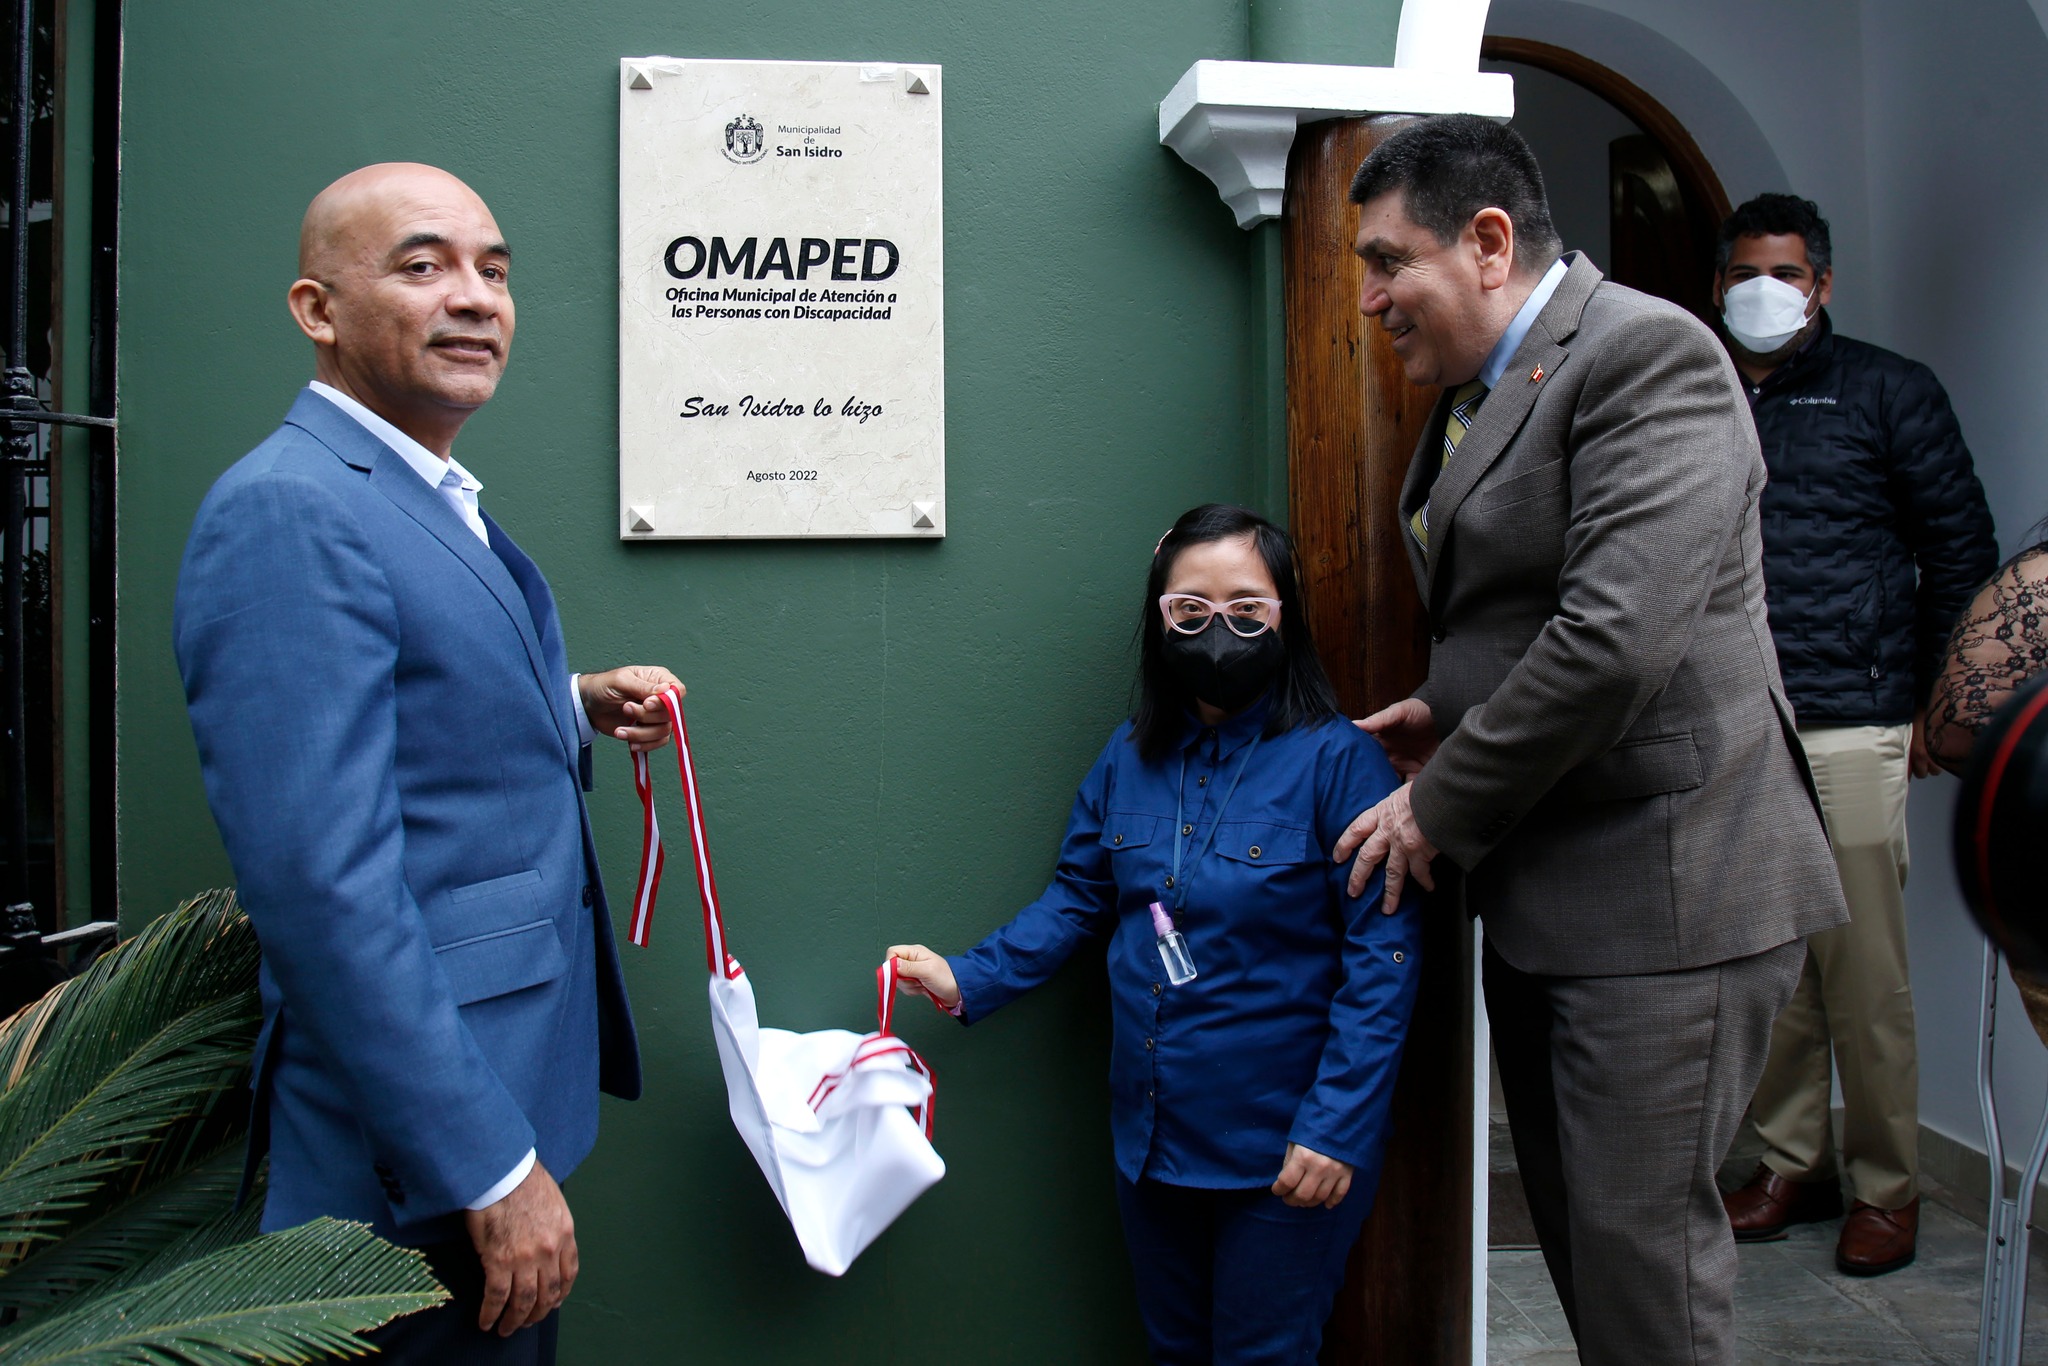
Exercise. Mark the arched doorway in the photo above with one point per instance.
(1628, 184)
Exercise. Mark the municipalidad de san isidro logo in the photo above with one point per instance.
(745, 140)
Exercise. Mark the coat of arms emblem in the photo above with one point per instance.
(745, 142)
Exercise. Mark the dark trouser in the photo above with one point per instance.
(448, 1336)
(1624, 1094)
(1232, 1278)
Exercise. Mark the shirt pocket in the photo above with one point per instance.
(1124, 830)
(1261, 844)
(493, 939)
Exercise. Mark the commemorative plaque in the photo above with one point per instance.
(781, 300)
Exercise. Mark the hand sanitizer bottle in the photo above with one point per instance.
(1173, 947)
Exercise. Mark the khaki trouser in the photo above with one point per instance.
(1854, 992)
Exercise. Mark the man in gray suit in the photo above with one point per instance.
(1602, 749)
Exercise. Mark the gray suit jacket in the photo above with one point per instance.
(1619, 778)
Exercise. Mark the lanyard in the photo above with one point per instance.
(1177, 882)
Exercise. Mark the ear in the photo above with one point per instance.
(312, 306)
(1825, 290)
(1720, 290)
(1492, 236)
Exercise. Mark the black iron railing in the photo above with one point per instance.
(25, 462)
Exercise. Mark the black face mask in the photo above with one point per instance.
(1223, 668)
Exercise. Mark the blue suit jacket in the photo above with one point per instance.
(383, 714)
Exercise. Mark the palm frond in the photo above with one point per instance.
(23, 1030)
(141, 1046)
(226, 1225)
(296, 1296)
(128, 1234)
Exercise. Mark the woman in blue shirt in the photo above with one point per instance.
(1250, 1103)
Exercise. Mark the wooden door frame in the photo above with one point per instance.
(1353, 422)
(1695, 173)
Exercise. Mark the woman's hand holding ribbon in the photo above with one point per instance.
(920, 972)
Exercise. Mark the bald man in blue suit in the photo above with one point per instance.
(396, 752)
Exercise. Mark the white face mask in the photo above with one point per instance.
(1763, 314)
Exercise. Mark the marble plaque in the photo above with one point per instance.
(781, 300)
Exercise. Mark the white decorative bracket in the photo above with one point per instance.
(1235, 121)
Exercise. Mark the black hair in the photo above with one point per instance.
(1300, 696)
(1777, 215)
(1450, 167)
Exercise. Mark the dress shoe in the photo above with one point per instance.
(1761, 1211)
(1875, 1240)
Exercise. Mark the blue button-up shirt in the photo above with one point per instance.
(1292, 1028)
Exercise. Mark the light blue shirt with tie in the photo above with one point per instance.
(1511, 340)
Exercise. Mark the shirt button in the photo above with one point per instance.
(1150, 1094)
(1255, 851)
(1202, 781)
(1155, 988)
(1118, 840)
(1187, 829)
(1399, 957)
(589, 895)
(1437, 636)
(1148, 1045)
(1169, 881)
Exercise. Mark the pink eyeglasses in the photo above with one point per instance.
(1190, 615)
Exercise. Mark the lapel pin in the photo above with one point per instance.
(1536, 375)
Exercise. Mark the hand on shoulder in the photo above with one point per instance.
(1406, 731)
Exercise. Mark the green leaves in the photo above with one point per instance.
(131, 1233)
(300, 1295)
(149, 1039)
(123, 1111)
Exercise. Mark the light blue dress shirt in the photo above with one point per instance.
(1511, 340)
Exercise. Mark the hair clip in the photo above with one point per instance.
(1161, 541)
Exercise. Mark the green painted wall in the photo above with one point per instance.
(1334, 32)
(889, 734)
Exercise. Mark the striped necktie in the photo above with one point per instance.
(1464, 412)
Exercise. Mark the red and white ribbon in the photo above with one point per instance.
(880, 1044)
(883, 1043)
(717, 959)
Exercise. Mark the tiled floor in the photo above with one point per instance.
(1793, 1306)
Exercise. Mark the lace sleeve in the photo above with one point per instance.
(2000, 643)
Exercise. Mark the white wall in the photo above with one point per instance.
(1956, 100)
(1771, 92)
(1919, 130)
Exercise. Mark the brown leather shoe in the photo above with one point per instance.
(1875, 1240)
(1761, 1211)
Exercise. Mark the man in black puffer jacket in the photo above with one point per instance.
(1875, 535)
